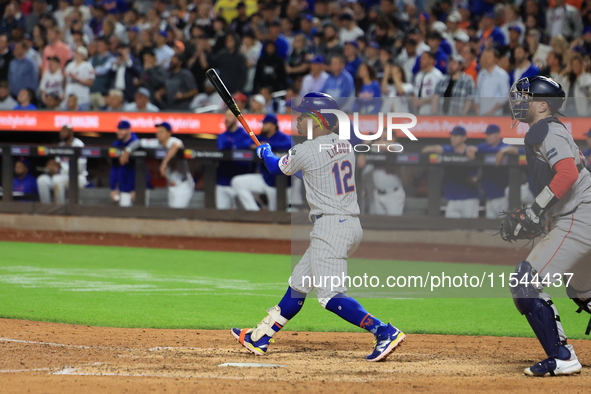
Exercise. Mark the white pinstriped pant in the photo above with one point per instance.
(333, 239)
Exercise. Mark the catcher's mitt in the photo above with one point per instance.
(517, 224)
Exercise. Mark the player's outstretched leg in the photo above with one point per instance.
(387, 336)
(542, 316)
(257, 339)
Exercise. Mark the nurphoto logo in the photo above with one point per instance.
(345, 130)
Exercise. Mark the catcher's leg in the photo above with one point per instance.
(542, 316)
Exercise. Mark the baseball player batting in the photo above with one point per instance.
(563, 187)
(330, 191)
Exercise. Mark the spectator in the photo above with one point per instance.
(32, 20)
(554, 67)
(52, 82)
(315, 80)
(180, 87)
(372, 57)
(126, 69)
(71, 103)
(330, 45)
(25, 98)
(13, 18)
(512, 19)
(491, 35)
(6, 57)
(307, 27)
(369, 94)
(270, 103)
(577, 85)
(114, 100)
(57, 179)
(297, 64)
(55, 47)
(472, 66)
(565, 20)
(461, 40)
(492, 90)
(263, 182)
(459, 183)
(241, 23)
(453, 21)
(540, 51)
(22, 73)
(352, 58)
(349, 29)
(513, 42)
(434, 42)
(53, 102)
(32, 54)
(339, 83)
(523, 67)
(281, 43)
(6, 100)
(230, 63)
(456, 90)
(425, 83)
(102, 63)
(78, 5)
(395, 89)
(163, 52)
(235, 137)
(153, 77)
(122, 177)
(174, 166)
(141, 102)
(79, 78)
(270, 70)
(251, 48)
(407, 58)
(257, 104)
(60, 15)
(24, 182)
(241, 100)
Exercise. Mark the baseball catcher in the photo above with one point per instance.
(564, 196)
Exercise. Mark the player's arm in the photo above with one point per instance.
(558, 154)
(172, 151)
(289, 164)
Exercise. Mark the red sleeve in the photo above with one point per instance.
(566, 176)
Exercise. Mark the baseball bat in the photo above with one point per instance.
(222, 90)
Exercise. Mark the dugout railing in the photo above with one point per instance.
(435, 164)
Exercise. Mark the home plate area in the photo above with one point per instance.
(34, 356)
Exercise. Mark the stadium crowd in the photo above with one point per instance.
(398, 55)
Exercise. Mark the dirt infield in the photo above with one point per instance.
(46, 357)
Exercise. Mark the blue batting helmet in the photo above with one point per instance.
(313, 102)
(539, 88)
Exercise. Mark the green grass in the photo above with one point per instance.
(159, 288)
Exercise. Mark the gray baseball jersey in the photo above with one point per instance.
(328, 169)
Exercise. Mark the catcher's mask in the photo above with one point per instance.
(526, 90)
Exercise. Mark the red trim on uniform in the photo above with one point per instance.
(563, 239)
(278, 325)
(364, 319)
(565, 177)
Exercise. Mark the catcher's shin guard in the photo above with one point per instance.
(538, 312)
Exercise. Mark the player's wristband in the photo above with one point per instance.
(544, 202)
(271, 162)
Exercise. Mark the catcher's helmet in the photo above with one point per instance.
(526, 90)
(313, 102)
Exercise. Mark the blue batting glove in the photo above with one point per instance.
(263, 149)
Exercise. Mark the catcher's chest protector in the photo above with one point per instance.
(539, 169)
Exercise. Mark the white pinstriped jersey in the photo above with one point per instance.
(328, 174)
